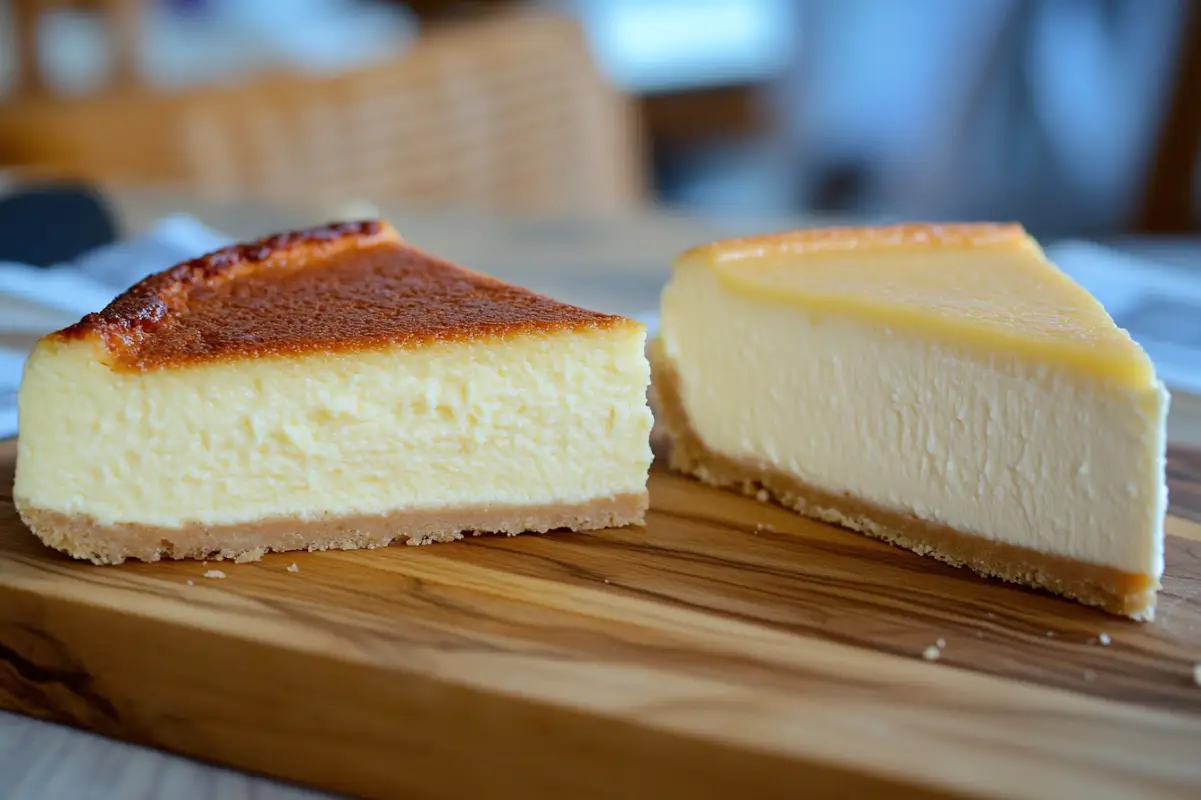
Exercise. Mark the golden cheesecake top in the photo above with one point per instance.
(342, 287)
(975, 284)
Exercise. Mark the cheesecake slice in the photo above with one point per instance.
(329, 388)
(943, 388)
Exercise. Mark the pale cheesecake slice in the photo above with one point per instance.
(944, 388)
(330, 388)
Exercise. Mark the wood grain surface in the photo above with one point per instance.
(727, 648)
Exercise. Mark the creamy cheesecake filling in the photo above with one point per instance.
(1117, 591)
(543, 419)
(1062, 462)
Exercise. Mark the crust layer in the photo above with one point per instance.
(1126, 594)
(82, 537)
(337, 288)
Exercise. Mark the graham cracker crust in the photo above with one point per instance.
(82, 537)
(1126, 594)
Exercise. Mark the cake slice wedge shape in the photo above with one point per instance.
(328, 388)
(944, 388)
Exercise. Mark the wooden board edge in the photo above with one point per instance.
(229, 703)
(72, 648)
(307, 725)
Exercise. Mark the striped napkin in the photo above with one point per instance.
(35, 301)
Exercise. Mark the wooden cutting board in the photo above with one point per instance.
(728, 649)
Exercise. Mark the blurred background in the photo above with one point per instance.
(576, 146)
(1078, 117)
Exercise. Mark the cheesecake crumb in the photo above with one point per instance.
(762, 496)
(214, 573)
(190, 583)
(763, 526)
(1050, 634)
(1090, 675)
(1104, 639)
(931, 653)
(1197, 674)
(293, 568)
(940, 643)
(250, 555)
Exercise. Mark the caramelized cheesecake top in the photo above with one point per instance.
(336, 288)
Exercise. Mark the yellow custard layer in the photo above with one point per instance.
(972, 284)
(537, 419)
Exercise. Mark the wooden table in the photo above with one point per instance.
(40, 760)
(566, 258)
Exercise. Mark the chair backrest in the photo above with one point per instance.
(121, 20)
(505, 112)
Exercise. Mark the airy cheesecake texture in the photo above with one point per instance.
(329, 388)
(942, 387)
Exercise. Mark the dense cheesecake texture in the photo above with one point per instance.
(329, 388)
(941, 387)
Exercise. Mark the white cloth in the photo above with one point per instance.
(36, 301)
(1160, 307)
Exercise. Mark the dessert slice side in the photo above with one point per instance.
(943, 388)
(333, 388)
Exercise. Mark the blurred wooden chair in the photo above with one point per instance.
(121, 18)
(505, 112)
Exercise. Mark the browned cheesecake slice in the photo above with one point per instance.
(328, 388)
